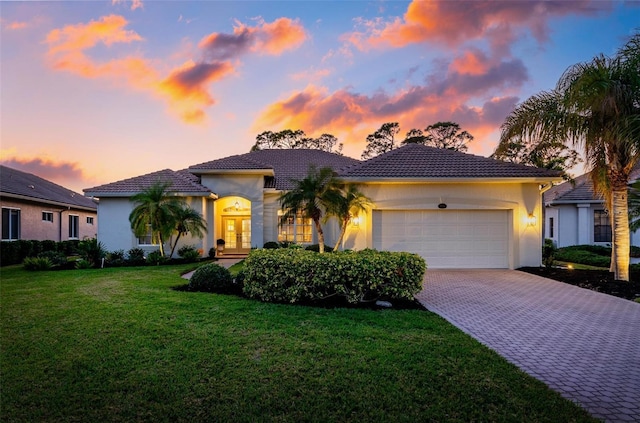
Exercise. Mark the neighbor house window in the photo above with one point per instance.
(551, 228)
(89, 220)
(74, 230)
(298, 229)
(47, 216)
(10, 224)
(601, 226)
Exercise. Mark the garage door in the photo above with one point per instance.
(446, 238)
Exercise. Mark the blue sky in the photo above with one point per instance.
(93, 92)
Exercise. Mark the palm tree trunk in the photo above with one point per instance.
(173, 248)
(320, 235)
(161, 242)
(621, 233)
(343, 230)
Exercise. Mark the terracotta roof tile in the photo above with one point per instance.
(24, 184)
(419, 161)
(181, 181)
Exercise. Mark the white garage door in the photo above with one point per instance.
(446, 238)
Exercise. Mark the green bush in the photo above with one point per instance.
(83, 264)
(189, 253)
(92, 251)
(9, 253)
(49, 245)
(57, 259)
(271, 245)
(292, 276)
(135, 257)
(116, 258)
(211, 278)
(591, 255)
(156, 259)
(548, 253)
(37, 263)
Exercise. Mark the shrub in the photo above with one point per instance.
(83, 264)
(135, 257)
(271, 245)
(591, 255)
(316, 248)
(49, 245)
(69, 247)
(211, 278)
(116, 258)
(37, 263)
(9, 253)
(156, 259)
(292, 276)
(189, 253)
(548, 253)
(212, 252)
(92, 251)
(57, 259)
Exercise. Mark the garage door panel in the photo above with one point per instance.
(446, 238)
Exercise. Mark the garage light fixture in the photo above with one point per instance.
(355, 221)
(531, 220)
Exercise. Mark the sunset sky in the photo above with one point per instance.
(93, 92)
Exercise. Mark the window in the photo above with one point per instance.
(601, 226)
(10, 224)
(89, 220)
(74, 227)
(551, 227)
(47, 216)
(146, 239)
(298, 229)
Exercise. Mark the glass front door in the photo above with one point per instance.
(237, 234)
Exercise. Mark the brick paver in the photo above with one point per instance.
(583, 344)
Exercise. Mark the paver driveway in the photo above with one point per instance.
(581, 343)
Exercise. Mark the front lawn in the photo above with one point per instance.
(120, 345)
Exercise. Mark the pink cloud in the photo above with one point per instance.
(68, 174)
(451, 23)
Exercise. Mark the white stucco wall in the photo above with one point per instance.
(521, 199)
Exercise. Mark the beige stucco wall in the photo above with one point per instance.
(521, 199)
(32, 227)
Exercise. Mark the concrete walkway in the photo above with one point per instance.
(583, 344)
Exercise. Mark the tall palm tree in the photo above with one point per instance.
(155, 210)
(187, 220)
(350, 204)
(312, 196)
(596, 107)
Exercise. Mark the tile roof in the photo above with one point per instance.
(287, 165)
(581, 190)
(15, 182)
(419, 161)
(181, 181)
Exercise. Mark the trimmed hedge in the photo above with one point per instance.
(286, 275)
(14, 252)
(591, 255)
(211, 278)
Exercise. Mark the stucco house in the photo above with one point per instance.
(34, 208)
(457, 210)
(576, 215)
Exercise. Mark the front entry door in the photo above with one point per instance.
(237, 234)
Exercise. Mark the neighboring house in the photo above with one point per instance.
(455, 209)
(576, 215)
(36, 209)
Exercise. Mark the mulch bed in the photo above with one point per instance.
(595, 280)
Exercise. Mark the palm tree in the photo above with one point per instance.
(596, 107)
(350, 204)
(311, 196)
(155, 211)
(187, 220)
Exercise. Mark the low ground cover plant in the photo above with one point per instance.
(294, 275)
(591, 255)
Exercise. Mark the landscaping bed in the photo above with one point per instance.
(596, 280)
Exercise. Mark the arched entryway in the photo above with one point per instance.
(234, 224)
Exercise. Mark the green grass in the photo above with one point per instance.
(121, 345)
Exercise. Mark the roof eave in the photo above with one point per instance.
(264, 172)
(444, 180)
(45, 201)
(123, 194)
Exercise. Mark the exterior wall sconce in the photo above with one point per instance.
(532, 220)
(355, 221)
